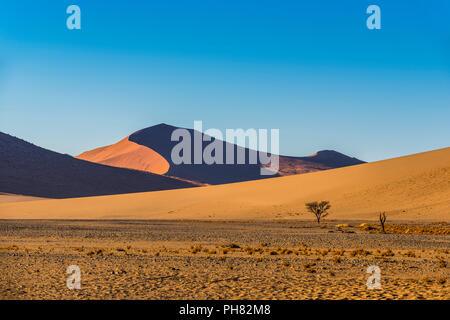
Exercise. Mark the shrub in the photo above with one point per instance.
(410, 253)
(387, 253)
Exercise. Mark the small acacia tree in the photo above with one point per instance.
(320, 209)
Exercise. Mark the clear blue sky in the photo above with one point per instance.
(310, 68)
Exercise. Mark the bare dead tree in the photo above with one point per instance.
(383, 221)
(320, 209)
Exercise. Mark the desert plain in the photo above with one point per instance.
(246, 240)
(125, 259)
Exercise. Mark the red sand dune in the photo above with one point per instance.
(127, 154)
(150, 149)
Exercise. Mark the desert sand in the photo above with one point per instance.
(220, 260)
(415, 187)
(128, 154)
(7, 197)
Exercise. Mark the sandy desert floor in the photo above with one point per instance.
(222, 259)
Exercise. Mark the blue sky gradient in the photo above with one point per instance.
(310, 68)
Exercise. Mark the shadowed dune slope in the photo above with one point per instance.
(26, 169)
(407, 188)
(158, 140)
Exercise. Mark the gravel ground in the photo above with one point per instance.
(217, 260)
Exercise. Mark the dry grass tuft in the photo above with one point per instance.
(387, 253)
(442, 263)
(308, 266)
(98, 252)
(13, 248)
(360, 252)
(196, 249)
(441, 280)
(286, 263)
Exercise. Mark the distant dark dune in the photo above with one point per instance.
(27, 169)
(158, 139)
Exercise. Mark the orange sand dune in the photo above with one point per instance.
(415, 187)
(8, 197)
(127, 154)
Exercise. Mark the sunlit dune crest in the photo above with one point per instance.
(128, 154)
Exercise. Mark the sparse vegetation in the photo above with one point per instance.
(286, 263)
(319, 209)
(308, 265)
(387, 253)
(196, 249)
(432, 229)
(301, 263)
(13, 248)
(95, 252)
(360, 252)
(410, 254)
(427, 279)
